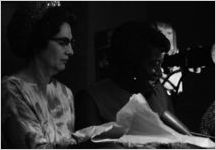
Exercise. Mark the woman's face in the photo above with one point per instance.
(58, 50)
(152, 65)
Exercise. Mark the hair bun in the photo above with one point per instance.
(23, 23)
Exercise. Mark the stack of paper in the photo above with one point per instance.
(145, 126)
(137, 124)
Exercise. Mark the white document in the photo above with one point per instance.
(137, 124)
(144, 126)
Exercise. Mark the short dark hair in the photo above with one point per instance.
(28, 36)
(131, 41)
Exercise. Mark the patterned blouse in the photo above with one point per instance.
(31, 119)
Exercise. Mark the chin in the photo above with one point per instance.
(154, 81)
(61, 68)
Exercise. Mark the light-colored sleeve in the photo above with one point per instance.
(20, 126)
(71, 102)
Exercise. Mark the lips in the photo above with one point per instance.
(154, 79)
(64, 60)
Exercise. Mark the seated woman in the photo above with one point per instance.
(135, 59)
(37, 110)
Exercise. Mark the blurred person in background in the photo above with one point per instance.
(135, 58)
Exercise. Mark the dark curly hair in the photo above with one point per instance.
(131, 42)
(28, 32)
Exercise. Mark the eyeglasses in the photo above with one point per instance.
(65, 42)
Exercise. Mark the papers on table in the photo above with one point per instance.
(136, 123)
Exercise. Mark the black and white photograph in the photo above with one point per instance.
(108, 74)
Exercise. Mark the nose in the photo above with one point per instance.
(69, 50)
(157, 71)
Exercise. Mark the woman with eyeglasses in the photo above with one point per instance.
(37, 110)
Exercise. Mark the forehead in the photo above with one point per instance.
(166, 31)
(65, 31)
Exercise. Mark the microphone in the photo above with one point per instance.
(173, 122)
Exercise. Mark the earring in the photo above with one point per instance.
(134, 78)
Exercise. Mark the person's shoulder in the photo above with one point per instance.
(11, 90)
(10, 82)
(7, 79)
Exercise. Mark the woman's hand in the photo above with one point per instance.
(66, 143)
(159, 100)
